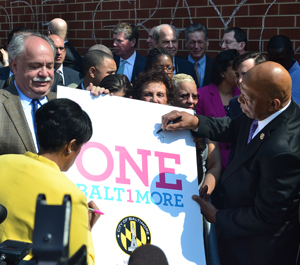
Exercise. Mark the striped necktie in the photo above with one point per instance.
(196, 71)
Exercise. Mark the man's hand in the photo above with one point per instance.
(203, 193)
(207, 209)
(187, 122)
(96, 90)
(93, 217)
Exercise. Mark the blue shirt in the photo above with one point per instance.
(200, 67)
(294, 72)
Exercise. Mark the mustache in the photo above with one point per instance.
(41, 79)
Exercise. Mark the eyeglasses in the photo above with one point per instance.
(226, 42)
(168, 69)
(60, 48)
(188, 95)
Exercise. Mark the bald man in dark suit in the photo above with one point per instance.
(258, 223)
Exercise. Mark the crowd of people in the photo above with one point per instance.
(245, 131)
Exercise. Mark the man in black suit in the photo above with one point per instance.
(128, 61)
(59, 27)
(258, 223)
(166, 36)
(68, 74)
(196, 40)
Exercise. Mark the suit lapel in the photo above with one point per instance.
(216, 101)
(245, 151)
(16, 114)
(135, 70)
(67, 76)
(117, 60)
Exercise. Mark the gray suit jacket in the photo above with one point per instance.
(15, 135)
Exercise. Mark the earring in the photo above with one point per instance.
(69, 152)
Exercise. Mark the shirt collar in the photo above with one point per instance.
(266, 121)
(60, 69)
(201, 61)
(26, 101)
(82, 85)
(131, 59)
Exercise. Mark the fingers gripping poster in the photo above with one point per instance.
(142, 180)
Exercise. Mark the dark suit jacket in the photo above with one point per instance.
(259, 222)
(207, 72)
(70, 75)
(234, 107)
(138, 67)
(4, 74)
(15, 135)
(183, 66)
(73, 59)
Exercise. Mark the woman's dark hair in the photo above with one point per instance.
(153, 55)
(153, 76)
(117, 82)
(220, 64)
(59, 121)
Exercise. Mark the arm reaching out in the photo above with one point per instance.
(187, 122)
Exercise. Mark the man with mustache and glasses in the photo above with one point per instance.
(31, 58)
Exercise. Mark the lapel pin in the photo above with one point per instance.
(262, 136)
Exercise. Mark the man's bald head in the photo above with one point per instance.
(265, 89)
(100, 47)
(271, 78)
(58, 27)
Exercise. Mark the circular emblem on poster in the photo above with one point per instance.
(132, 232)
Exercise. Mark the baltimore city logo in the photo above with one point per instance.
(132, 232)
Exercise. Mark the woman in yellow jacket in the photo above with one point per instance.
(62, 128)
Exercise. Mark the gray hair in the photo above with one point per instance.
(130, 31)
(17, 44)
(157, 30)
(195, 27)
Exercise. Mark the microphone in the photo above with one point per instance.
(3, 213)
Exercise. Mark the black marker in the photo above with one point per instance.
(170, 122)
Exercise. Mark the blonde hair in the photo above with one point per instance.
(180, 78)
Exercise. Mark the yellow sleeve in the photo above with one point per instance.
(79, 230)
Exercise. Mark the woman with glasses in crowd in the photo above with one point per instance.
(160, 59)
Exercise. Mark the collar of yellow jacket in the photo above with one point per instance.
(42, 159)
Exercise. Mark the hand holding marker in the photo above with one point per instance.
(170, 122)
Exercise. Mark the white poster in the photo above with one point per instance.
(141, 180)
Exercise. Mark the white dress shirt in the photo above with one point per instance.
(27, 107)
(266, 121)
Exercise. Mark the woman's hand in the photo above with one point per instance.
(96, 90)
(93, 217)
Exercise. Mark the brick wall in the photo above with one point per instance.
(91, 21)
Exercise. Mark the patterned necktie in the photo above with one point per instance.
(196, 71)
(58, 71)
(121, 68)
(253, 128)
(35, 105)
